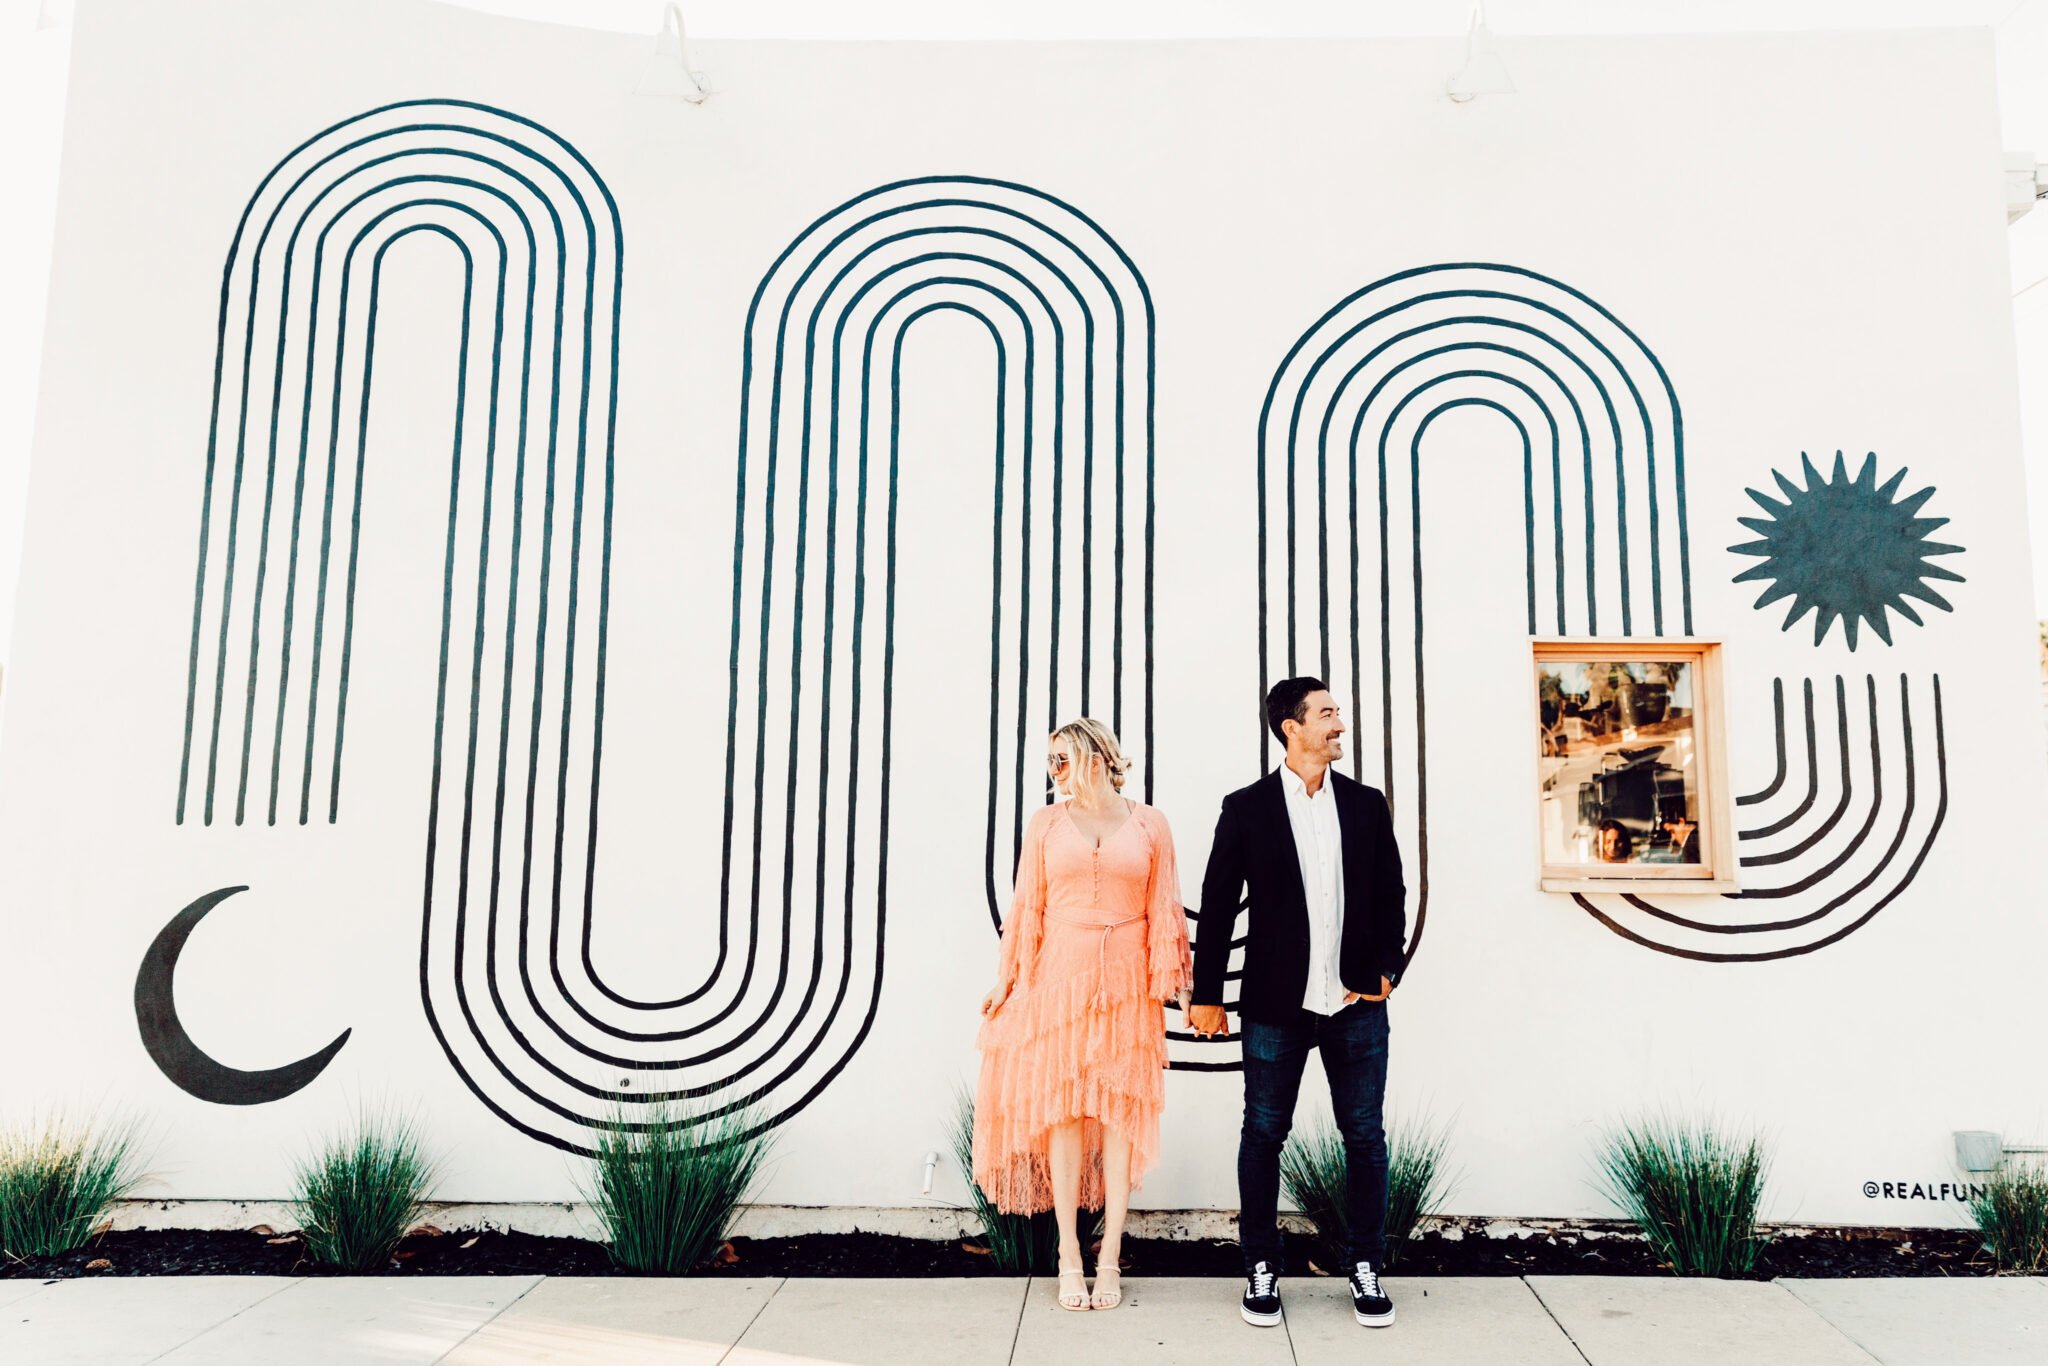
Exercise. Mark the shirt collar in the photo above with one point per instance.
(1293, 784)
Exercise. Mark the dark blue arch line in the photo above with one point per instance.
(846, 967)
(1826, 871)
(1856, 841)
(341, 342)
(1841, 899)
(792, 1066)
(311, 347)
(478, 636)
(1848, 850)
(1528, 550)
(577, 527)
(1770, 789)
(809, 363)
(1846, 783)
(1585, 432)
(455, 477)
(448, 587)
(1421, 694)
(1798, 813)
(567, 996)
(1556, 472)
(554, 398)
(788, 900)
(1622, 369)
(799, 1059)
(220, 354)
(760, 1092)
(1114, 295)
(748, 1032)
(1059, 422)
(1528, 495)
(747, 365)
(1415, 500)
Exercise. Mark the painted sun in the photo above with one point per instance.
(1846, 548)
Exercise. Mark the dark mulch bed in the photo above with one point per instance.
(1830, 1252)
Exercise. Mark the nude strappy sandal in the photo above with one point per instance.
(1109, 1291)
(1076, 1299)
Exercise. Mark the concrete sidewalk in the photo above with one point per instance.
(500, 1321)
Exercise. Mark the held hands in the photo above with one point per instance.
(1210, 1021)
(993, 1002)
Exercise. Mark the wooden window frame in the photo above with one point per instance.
(1716, 871)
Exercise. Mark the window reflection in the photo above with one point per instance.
(1620, 764)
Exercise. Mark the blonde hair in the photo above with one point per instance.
(1089, 736)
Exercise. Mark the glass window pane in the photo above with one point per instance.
(1620, 763)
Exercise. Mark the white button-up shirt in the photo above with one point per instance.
(1319, 845)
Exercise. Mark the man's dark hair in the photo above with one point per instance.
(1289, 702)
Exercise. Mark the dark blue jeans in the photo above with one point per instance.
(1354, 1048)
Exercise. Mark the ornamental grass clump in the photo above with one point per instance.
(58, 1180)
(2012, 1214)
(359, 1194)
(1020, 1244)
(1313, 1173)
(666, 1180)
(1693, 1188)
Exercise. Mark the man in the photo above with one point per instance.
(1322, 954)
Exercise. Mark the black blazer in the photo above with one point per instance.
(1254, 847)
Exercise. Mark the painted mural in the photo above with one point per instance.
(511, 864)
(563, 608)
(510, 879)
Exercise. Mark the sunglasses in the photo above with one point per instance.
(1056, 764)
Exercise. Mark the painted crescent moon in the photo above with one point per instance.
(172, 1049)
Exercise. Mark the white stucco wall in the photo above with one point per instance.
(1804, 231)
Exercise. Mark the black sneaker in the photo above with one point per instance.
(1261, 1303)
(1369, 1302)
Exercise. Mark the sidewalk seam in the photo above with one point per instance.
(740, 1336)
(1537, 1295)
(179, 1347)
(1017, 1331)
(1846, 1335)
(538, 1281)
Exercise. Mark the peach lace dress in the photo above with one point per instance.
(1095, 942)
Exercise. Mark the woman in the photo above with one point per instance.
(1073, 1042)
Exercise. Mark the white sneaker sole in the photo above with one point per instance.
(1258, 1320)
(1374, 1320)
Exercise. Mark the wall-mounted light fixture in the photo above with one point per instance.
(666, 75)
(1980, 1150)
(1484, 72)
(2026, 184)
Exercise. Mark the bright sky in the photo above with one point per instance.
(35, 47)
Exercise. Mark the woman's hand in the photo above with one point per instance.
(1180, 999)
(993, 1002)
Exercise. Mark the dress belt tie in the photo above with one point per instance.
(1101, 945)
